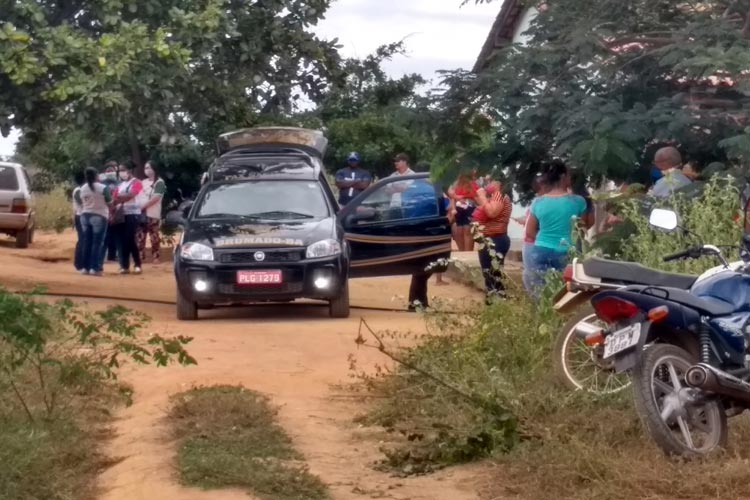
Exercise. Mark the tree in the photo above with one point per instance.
(164, 71)
(601, 82)
(376, 115)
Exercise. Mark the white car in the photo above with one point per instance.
(16, 204)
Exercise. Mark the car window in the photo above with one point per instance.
(8, 179)
(399, 200)
(275, 200)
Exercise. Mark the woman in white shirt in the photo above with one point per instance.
(94, 199)
(150, 199)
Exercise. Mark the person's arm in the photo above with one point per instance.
(107, 195)
(481, 197)
(77, 198)
(159, 189)
(587, 217)
(342, 182)
(495, 205)
(532, 228)
(135, 189)
(363, 183)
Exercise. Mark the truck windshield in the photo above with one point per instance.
(272, 200)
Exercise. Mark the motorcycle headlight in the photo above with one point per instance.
(196, 251)
(324, 248)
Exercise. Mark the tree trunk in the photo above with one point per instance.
(135, 152)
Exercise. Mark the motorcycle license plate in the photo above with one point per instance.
(622, 340)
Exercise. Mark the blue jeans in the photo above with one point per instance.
(537, 261)
(78, 256)
(94, 228)
(493, 279)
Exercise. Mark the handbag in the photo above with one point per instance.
(118, 215)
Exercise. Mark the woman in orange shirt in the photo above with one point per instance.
(493, 215)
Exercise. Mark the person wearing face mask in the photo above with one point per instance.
(109, 178)
(150, 199)
(127, 215)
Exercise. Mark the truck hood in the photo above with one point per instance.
(228, 234)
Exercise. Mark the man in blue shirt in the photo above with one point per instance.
(352, 180)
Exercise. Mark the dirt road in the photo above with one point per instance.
(294, 353)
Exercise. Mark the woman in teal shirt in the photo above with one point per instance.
(550, 226)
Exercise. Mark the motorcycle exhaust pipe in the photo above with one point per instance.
(584, 329)
(708, 378)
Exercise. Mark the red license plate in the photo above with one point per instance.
(254, 278)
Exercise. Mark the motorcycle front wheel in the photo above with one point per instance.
(678, 417)
(579, 366)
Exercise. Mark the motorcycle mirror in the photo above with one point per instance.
(663, 219)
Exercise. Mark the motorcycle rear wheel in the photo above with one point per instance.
(578, 366)
(680, 425)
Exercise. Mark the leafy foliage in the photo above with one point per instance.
(602, 83)
(59, 349)
(137, 72)
(711, 216)
(376, 115)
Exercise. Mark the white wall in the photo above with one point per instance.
(523, 25)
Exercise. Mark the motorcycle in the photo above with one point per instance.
(688, 352)
(577, 365)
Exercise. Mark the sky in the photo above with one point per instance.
(440, 34)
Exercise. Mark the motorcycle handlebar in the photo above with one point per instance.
(679, 255)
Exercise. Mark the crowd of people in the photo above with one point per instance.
(116, 214)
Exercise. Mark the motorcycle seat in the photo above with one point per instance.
(708, 306)
(631, 272)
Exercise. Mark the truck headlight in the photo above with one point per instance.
(196, 251)
(324, 248)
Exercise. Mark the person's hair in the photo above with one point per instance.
(127, 165)
(79, 178)
(555, 171)
(152, 164)
(464, 178)
(670, 154)
(92, 175)
(401, 157)
(110, 164)
(539, 182)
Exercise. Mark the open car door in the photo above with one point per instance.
(397, 226)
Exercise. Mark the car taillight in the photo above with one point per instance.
(568, 273)
(19, 206)
(614, 309)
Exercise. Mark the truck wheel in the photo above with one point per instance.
(339, 307)
(23, 238)
(186, 310)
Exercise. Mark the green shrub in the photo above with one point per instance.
(58, 368)
(710, 215)
(460, 394)
(54, 210)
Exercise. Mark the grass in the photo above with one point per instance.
(229, 438)
(54, 460)
(54, 210)
(543, 437)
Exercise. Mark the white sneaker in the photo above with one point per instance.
(137, 270)
(84, 271)
(124, 271)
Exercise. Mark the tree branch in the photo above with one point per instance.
(471, 398)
